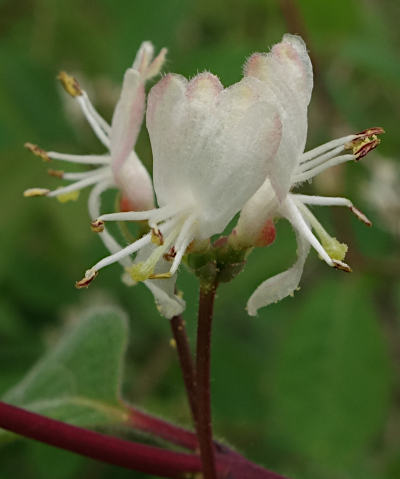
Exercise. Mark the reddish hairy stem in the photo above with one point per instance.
(131, 455)
(162, 429)
(185, 361)
(203, 362)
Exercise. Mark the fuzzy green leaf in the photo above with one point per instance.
(79, 380)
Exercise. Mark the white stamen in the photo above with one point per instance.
(318, 169)
(93, 121)
(79, 184)
(296, 218)
(94, 209)
(155, 215)
(83, 174)
(182, 242)
(133, 247)
(325, 147)
(319, 159)
(119, 255)
(323, 200)
(336, 201)
(82, 159)
(94, 197)
(100, 120)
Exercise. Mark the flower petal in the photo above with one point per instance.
(255, 214)
(127, 118)
(213, 146)
(286, 72)
(135, 183)
(283, 284)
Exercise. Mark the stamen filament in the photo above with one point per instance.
(319, 169)
(100, 120)
(182, 242)
(319, 159)
(132, 248)
(94, 197)
(78, 185)
(161, 214)
(298, 222)
(83, 174)
(336, 201)
(93, 121)
(335, 250)
(82, 159)
(94, 208)
(309, 155)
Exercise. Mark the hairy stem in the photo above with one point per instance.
(185, 360)
(131, 455)
(162, 429)
(203, 362)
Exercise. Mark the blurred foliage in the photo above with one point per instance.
(310, 387)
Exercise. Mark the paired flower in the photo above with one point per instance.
(212, 147)
(286, 73)
(216, 152)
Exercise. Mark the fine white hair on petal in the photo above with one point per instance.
(211, 146)
(302, 71)
(286, 73)
(283, 284)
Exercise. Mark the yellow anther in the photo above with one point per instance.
(70, 84)
(37, 151)
(31, 192)
(65, 197)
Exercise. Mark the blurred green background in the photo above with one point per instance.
(310, 388)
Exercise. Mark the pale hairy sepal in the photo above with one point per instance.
(281, 285)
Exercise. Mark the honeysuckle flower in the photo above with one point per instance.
(120, 167)
(212, 148)
(286, 73)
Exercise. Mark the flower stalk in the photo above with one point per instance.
(203, 365)
(185, 361)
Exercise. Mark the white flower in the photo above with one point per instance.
(286, 73)
(120, 167)
(212, 147)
